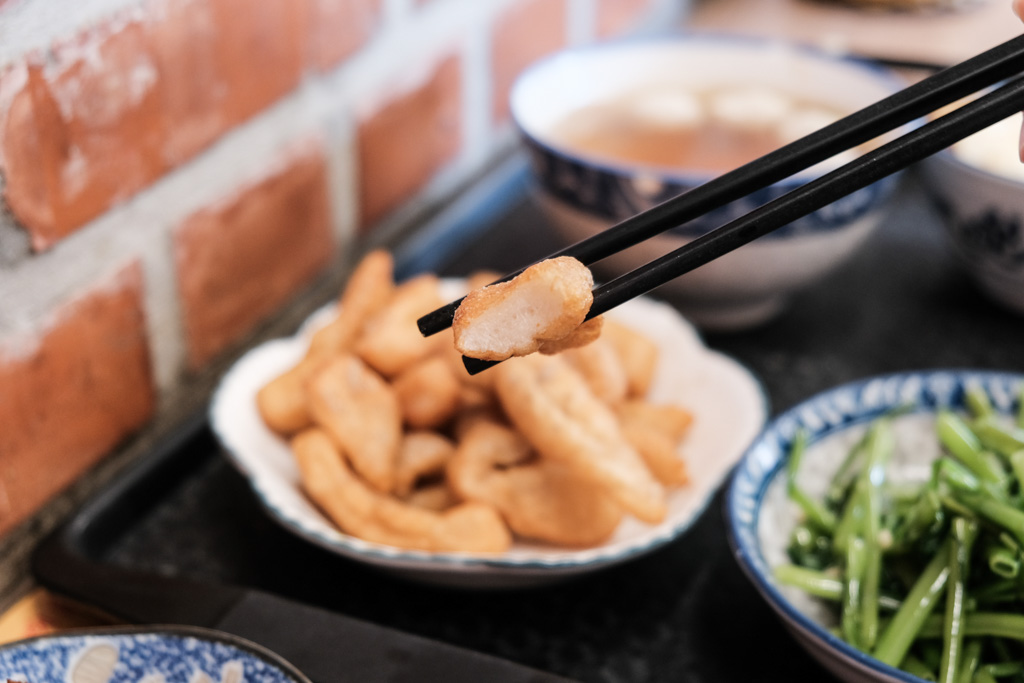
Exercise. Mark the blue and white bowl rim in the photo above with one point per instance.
(833, 410)
(178, 631)
(684, 38)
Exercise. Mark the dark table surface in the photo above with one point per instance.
(684, 612)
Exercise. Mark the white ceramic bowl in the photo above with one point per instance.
(978, 187)
(761, 517)
(727, 402)
(171, 654)
(584, 195)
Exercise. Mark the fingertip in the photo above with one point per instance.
(1018, 8)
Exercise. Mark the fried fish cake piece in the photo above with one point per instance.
(428, 392)
(585, 334)
(545, 302)
(656, 430)
(602, 369)
(421, 454)
(361, 413)
(282, 402)
(437, 496)
(361, 511)
(658, 451)
(638, 353)
(669, 419)
(552, 406)
(482, 380)
(539, 499)
(368, 290)
(390, 341)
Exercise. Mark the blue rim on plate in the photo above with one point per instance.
(824, 414)
(126, 654)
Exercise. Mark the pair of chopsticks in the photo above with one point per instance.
(939, 90)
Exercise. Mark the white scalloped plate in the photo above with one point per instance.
(727, 401)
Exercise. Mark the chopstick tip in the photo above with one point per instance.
(475, 366)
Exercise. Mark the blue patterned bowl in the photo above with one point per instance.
(761, 518)
(982, 204)
(584, 194)
(172, 654)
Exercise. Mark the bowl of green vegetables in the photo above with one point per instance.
(883, 521)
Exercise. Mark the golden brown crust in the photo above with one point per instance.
(359, 510)
(359, 410)
(638, 354)
(390, 342)
(539, 499)
(546, 302)
(554, 409)
(585, 334)
(368, 290)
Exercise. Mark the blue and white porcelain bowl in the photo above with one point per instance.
(167, 654)
(584, 194)
(761, 517)
(978, 187)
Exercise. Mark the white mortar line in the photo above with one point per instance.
(30, 25)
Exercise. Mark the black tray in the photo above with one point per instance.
(684, 612)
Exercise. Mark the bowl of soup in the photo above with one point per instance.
(977, 185)
(613, 129)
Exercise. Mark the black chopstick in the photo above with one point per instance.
(913, 102)
(894, 156)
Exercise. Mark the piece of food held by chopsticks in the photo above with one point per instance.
(396, 443)
(542, 309)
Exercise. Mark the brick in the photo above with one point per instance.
(220, 63)
(82, 133)
(525, 33)
(240, 261)
(105, 114)
(85, 387)
(261, 49)
(194, 86)
(338, 28)
(402, 144)
(616, 16)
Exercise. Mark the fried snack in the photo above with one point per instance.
(552, 406)
(359, 410)
(422, 453)
(369, 288)
(359, 510)
(282, 402)
(656, 431)
(671, 420)
(657, 450)
(492, 412)
(545, 302)
(428, 393)
(601, 367)
(541, 499)
(437, 497)
(390, 341)
(639, 355)
(581, 336)
(482, 380)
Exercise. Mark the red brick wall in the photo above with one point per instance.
(174, 173)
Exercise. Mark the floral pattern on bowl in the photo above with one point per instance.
(174, 654)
